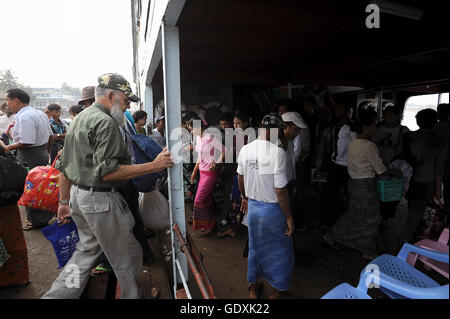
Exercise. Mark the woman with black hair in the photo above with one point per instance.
(245, 134)
(74, 110)
(140, 118)
(210, 151)
(358, 227)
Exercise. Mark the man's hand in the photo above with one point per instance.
(192, 180)
(214, 167)
(63, 214)
(291, 226)
(163, 160)
(437, 196)
(244, 205)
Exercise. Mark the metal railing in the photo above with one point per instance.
(195, 264)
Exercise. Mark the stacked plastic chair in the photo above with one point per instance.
(399, 280)
(346, 291)
(440, 245)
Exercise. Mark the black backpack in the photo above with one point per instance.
(12, 179)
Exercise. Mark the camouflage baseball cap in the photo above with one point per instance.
(117, 82)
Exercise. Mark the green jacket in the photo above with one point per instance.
(93, 148)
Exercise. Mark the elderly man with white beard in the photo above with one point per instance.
(94, 165)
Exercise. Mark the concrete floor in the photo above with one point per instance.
(317, 269)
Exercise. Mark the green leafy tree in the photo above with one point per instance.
(9, 81)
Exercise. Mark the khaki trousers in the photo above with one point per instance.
(104, 223)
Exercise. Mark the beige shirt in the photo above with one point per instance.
(364, 160)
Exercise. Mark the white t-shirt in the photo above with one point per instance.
(5, 121)
(345, 136)
(158, 138)
(263, 166)
(32, 127)
(299, 145)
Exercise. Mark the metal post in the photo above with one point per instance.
(149, 104)
(172, 101)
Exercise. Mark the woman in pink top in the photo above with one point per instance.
(208, 148)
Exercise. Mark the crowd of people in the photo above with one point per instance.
(239, 173)
(319, 143)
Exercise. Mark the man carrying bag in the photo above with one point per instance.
(95, 162)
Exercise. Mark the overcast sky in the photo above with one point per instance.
(49, 42)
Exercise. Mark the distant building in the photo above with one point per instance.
(45, 96)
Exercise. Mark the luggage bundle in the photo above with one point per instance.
(12, 178)
(41, 190)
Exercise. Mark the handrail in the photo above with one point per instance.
(194, 250)
(186, 288)
(192, 264)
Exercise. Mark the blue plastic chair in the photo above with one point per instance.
(399, 280)
(346, 291)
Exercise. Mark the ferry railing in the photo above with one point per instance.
(195, 264)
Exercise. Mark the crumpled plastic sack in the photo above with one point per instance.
(406, 170)
(154, 210)
(64, 239)
(41, 190)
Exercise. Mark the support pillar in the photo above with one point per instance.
(172, 101)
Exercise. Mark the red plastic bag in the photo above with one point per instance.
(41, 189)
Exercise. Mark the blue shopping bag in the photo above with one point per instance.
(64, 240)
(146, 150)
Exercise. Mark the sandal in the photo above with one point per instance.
(29, 226)
(100, 270)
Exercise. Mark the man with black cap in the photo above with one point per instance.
(95, 162)
(263, 185)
